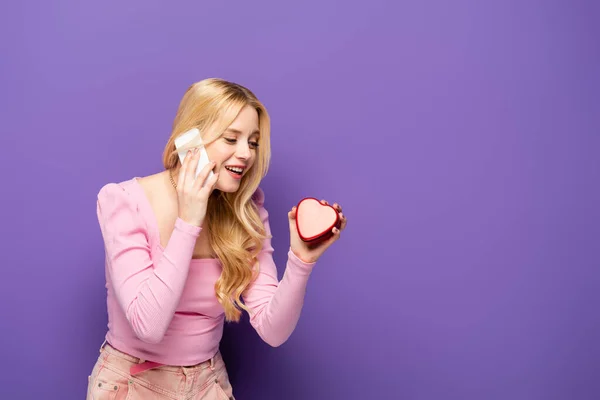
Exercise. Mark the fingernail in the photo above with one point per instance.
(189, 152)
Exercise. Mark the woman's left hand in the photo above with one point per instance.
(307, 252)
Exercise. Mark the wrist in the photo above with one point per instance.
(304, 258)
(186, 226)
(190, 221)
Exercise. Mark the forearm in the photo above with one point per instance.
(277, 318)
(151, 296)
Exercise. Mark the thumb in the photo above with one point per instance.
(292, 214)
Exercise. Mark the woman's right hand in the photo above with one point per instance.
(192, 196)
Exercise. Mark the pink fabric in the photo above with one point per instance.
(161, 303)
(111, 379)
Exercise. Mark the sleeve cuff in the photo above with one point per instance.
(187, 228)
(298, 262)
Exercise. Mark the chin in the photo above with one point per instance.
(231, 188)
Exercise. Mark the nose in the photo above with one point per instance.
(242, 151)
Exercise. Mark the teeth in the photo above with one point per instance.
(235, 169)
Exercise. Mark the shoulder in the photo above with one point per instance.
(115, 196)
(117, 189)
(132, 188)
(258, 197)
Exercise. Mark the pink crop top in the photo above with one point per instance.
(161, 303)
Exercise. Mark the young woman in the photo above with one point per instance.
(183, 255)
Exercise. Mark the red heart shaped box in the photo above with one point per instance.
(314, 220)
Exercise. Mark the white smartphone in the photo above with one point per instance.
(190, 140)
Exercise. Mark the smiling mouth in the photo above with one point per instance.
(235, 170)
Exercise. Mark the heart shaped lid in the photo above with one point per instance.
(315, 220)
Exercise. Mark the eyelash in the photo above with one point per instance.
(232, 141)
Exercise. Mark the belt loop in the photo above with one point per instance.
(212, 363)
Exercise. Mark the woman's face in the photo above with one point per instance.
(234, 152)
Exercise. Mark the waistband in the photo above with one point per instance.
(140, 365)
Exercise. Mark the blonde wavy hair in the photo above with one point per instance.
(234, 227)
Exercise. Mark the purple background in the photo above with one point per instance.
(461, 138)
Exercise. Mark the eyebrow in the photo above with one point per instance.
(233, 130)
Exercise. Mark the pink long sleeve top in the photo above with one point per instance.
(161, 303)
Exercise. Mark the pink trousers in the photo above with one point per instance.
(111, 379)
